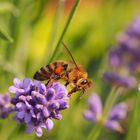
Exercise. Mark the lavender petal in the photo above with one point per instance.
(118, 112)
(39, 131)
(95, 104)
(89, 115)
(49, 124)
(114, 125)
(30, 129)
(27, 118)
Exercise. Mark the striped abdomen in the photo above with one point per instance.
(51, 71)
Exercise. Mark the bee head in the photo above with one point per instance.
(84, 83)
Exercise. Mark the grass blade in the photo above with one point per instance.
(5, 36)
(65, 29)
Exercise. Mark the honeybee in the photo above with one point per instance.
(75, 75)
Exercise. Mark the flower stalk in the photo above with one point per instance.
(94, 134)
(56, 22)
(133, 130)
(115, 92)
(65, 29)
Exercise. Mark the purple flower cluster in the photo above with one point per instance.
(127, 52)
(5, 105)
(120, 81)
(36, 104)
(95, 113)
(125, 57)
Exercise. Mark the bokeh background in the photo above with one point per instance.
(29, 31)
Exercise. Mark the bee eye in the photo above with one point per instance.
(84, 82)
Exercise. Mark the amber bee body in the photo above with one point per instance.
(78, 77)
(74, 75)
(59, 70)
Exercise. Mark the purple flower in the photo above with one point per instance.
(134, 28)
(121, 81)
(95, 108)
(95, 113)
(127, 41)
(5, 105)
(125, 56)
(115, 57)
(36, 104)
(117, 113)
(127, 52)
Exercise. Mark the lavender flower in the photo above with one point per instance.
(127, 52)
(95, 113)
(95, 108)
(134, 29)
(36, 105)
(117, 113)
(115, 57)
(121, 81)
(5, 105)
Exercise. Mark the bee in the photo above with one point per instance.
(74, 75)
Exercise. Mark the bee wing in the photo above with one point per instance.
(69, 54)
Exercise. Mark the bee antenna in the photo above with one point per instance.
(64, 45)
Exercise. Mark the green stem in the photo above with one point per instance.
(56, 21)
(133, 131)
(115, 92)
(108, 105)
(95, 132)
(65, 29)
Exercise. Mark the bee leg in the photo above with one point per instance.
(66, 78)
(82, 93)
(50, 82)
(47, 83)
(84, 90)
(72, 91)
(66, 83)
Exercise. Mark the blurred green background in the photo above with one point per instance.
(29, 31)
